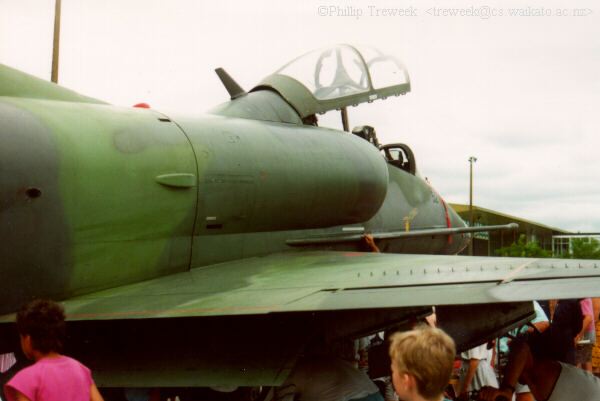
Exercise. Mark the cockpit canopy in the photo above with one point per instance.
(336, 77)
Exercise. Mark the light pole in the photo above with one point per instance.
(472, 160)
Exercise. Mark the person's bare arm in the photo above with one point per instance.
(473, 363)
(596, 306)
(519, 360)
(13, 394)
(587, 319)
(540, 326)
(431, 320)
(539, 375)
(18, 396)
(370, 241)
(95, 394)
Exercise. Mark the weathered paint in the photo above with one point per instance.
(263, 176)
(35, 242)
(108, 221)
(125, 211)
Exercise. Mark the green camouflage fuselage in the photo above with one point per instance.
(94, 196)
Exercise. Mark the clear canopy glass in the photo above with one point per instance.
(344, 70)
(337, 77)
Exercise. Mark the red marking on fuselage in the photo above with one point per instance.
(448, 222)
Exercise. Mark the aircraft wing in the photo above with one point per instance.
(329, 281)
(241, 322)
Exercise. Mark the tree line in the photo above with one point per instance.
(581, 248)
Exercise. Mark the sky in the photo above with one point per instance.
(515, 84)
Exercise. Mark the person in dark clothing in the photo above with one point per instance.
(558, 341)
(547, 379)
(545, 362)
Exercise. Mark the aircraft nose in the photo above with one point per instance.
(460, 241)
(33, 239)
(455, 219)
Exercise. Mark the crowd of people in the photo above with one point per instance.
(525, 364)
(550, 359)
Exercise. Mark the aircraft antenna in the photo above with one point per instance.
(232, 87)
(55, 42)
(345, 123)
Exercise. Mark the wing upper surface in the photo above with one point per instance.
(319, 281)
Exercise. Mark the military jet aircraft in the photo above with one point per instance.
(209, 250)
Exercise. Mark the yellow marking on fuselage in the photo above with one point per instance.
(409, 218)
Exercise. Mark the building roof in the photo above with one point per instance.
(578, 235)
(491, 217)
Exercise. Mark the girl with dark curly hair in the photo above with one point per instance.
(53, 377)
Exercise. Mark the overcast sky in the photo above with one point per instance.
(521, 93)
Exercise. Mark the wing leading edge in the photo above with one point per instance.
(336, 238)
(251, 328)
(322, 281)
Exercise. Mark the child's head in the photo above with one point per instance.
(43, 321)
(422, 361)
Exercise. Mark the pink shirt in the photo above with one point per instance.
(588, 309)
(52, 379)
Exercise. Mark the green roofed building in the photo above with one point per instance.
(485, 244)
